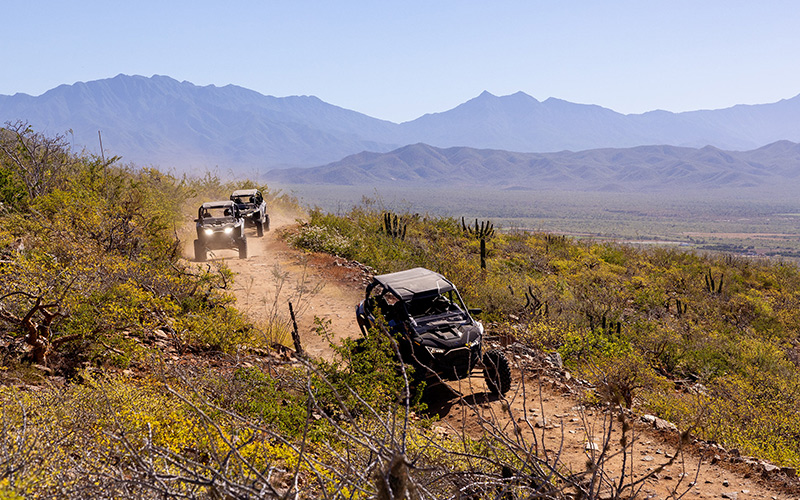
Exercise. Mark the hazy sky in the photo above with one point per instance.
(399, 60)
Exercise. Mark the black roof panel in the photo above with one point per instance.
(415, 282)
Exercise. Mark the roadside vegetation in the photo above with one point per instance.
(128, 372)
(709, 342)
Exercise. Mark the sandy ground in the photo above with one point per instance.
(273, 275)
(540, 411)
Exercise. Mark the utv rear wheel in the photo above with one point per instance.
(266, 222)
(200, 254)
(497, 372)
(242, 244)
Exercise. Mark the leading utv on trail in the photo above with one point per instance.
(253, 208)
(435, 331)
(219, 225)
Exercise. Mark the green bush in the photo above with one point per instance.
(672, 323)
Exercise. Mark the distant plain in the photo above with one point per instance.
(744, 222)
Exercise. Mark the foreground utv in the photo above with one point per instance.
(434, 330)
(219, 225)
(251, 204)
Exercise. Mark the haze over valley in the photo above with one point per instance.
(553, 165)
(490, 139)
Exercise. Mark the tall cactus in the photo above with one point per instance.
(394, 226)
(482, 232)
(606, 326)
(711, 286)
(533, 304)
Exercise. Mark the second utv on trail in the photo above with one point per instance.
(435, 332)
(219, 225)
(253, 208)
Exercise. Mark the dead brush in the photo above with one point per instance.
(274, 321)
(336, 452)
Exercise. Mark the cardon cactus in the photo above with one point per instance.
(482, 232)
(394, 226)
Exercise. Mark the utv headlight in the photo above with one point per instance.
(434, 350)
(208, 231)
(228, 230)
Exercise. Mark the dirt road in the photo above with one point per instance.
(317, 286)
(539, 411)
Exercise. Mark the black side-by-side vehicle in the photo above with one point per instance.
(435, 331)
(219, 225)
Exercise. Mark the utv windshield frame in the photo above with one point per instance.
(418, 295)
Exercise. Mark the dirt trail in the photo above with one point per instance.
(538, 410)
(317, 285)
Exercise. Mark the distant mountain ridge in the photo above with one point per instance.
(160, 121)
(521, 123)
(641, 169)
(164, 122)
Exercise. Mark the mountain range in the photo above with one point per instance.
(509, 142)
(640, 169)
(160, 121)
(180, 126)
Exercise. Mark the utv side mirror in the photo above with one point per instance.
(475, 311)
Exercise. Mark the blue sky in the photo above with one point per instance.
(399, 60)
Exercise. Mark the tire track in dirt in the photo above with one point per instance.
(317, 285)
(539, 411)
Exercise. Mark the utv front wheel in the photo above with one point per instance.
(266, 222)
(497, 372)
(200, 254)
(242, 245)
(259, 228)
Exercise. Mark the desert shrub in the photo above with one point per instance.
(621, 378)
(365, 375)
(218, 329)
(75, 441)
(544, 335)
(661, 343)
(93, 262)
(321, 239)
(757, 415)
(586, 344)
(252, 392)
(754, 413)
(12, 191)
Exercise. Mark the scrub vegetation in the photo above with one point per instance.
(128, 372)
(745, 222)
(707, 341)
